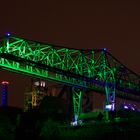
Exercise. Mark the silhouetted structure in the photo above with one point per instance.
(35, 95)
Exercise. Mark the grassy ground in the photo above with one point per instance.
(125, 129)
(31, 125)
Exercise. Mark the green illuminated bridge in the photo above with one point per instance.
(94, 69)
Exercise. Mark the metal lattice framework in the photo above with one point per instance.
(94, 69)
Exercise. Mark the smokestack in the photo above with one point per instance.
(4, 93)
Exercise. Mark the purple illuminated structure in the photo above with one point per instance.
(130, 107)
(4, 93)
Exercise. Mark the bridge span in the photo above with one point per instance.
(94, 69)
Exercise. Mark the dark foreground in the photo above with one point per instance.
(16, 125)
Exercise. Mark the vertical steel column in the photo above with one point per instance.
(110, 94)
(108, 77)
(110, 90)
(77, 102)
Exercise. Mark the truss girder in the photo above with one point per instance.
(82, 68)
(127, 81)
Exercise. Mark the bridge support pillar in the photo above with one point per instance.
(110, 95)
(77, 104)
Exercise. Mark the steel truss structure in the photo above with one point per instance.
(94, 69)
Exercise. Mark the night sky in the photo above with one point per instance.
(114, 24)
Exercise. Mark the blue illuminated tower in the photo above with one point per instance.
(4, 93)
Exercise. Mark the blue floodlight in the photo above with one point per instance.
(105, 49)
(108, 107)
(8, 34)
